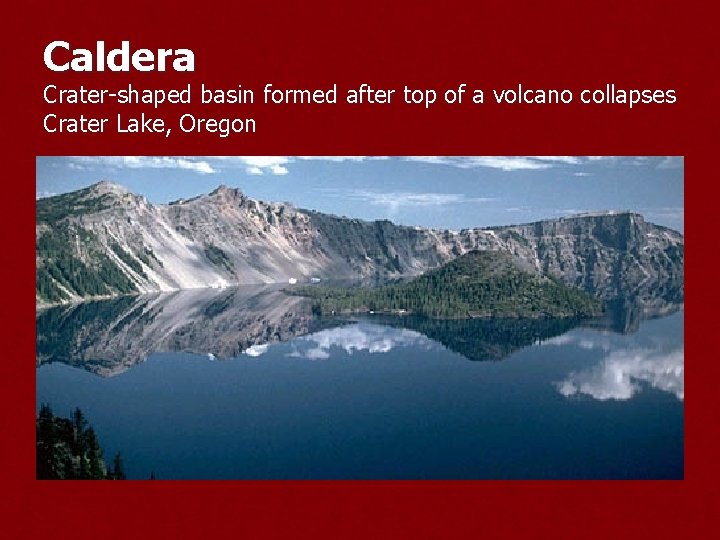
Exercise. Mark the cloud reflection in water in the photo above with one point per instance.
(358, 337)
(620, 374)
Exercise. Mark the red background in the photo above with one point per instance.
(650, 44)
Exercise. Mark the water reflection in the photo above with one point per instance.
(358, 337)
(621, 374)
(372, 398)
(109, 337)
(483, 339)
(624, 365)
(625, 313)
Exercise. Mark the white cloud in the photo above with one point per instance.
(672, 162)
(434, 160)
(507, 163)
(279, 165)
(257, 165)
(343, 158)
(619, 375)
(194, 164)
(393, 201)
(667, 162)
(569, 160)
(504, 163)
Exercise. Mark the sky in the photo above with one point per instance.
(433, 191)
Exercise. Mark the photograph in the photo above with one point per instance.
(359, 317)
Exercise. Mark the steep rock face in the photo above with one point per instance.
(608, 254)
(611, 254)
(105, 241)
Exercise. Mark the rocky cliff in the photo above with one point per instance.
(105, 241)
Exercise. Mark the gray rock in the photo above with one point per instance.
(119, 241)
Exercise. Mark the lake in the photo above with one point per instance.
(247, 384)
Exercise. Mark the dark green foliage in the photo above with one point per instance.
(477, 284)
(67, 448)
(60, 267)
(218, 257)
(109, 273)
(96, 466)
(76, 203)
(117, 472)
(45, 286)
(47, 458)
(59, 263)
(147, 256)
(127, 258)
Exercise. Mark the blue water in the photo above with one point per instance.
(369, 400)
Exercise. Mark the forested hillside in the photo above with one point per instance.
(475, 285)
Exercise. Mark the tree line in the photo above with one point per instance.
(478, 284)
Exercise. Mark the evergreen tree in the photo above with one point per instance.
(46, 437)
(78, 424)
(479, 284)
(94, 455)
(118, 470)
(67, 448)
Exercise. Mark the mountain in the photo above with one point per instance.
(105, 241)
(478, 284)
